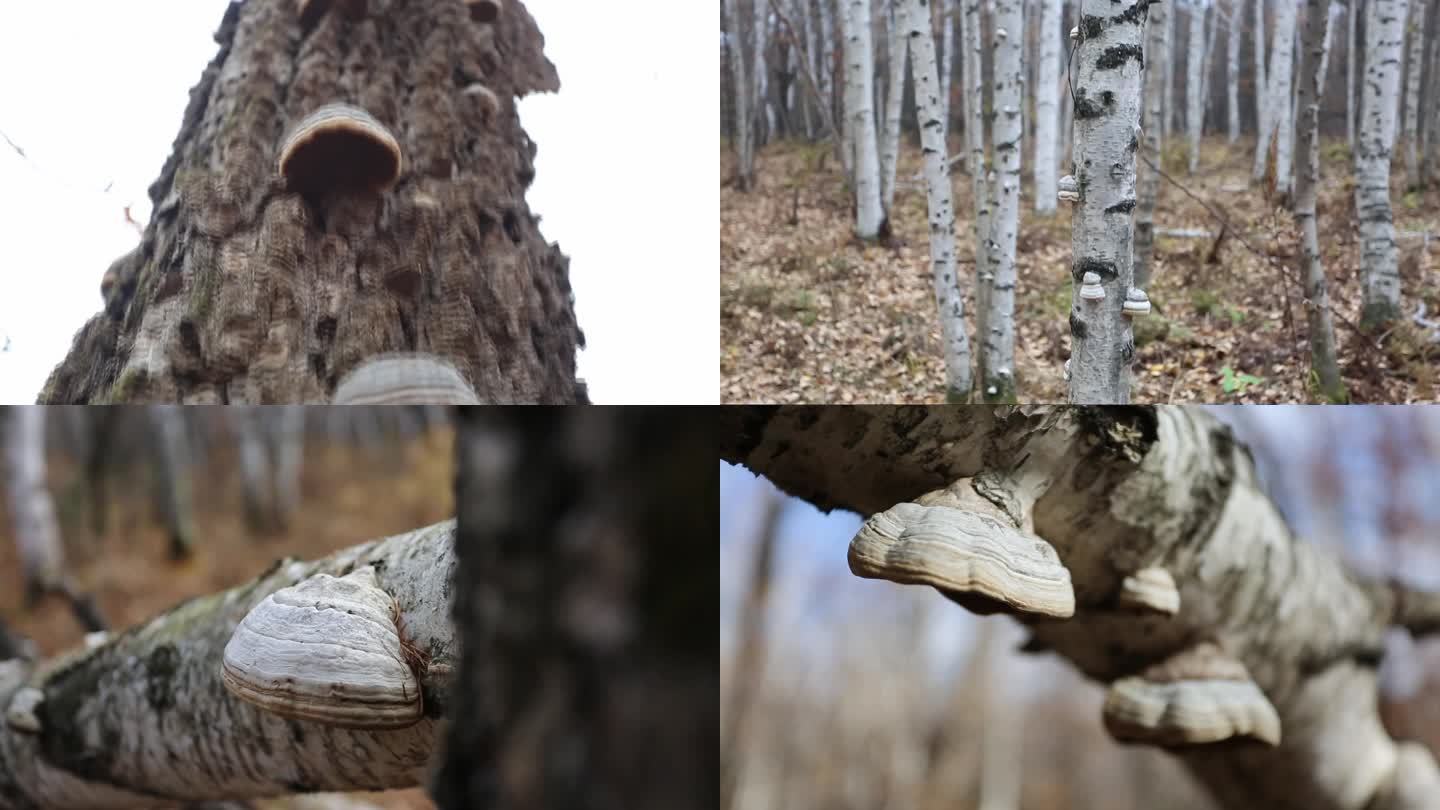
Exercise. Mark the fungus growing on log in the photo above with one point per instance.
(1090, 288)
(405, 379)
(1136, 303)
(979, 560)
(1069, 190)
(340, 148)
(484, 11)
(1150, 590)
(1198, 696)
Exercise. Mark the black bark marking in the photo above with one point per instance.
(1086, 107)
(1078, 329)
(1091, 26)
(1137, 13)
(160, 667)
(1123, 207)
(1116, 55)
(1105, 270)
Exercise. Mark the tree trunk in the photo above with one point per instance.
(1352, 58)
(997, 373)
(915, 16)
(890, 145)
(1171, 25)
(1327, 383)
(1047, 107)
(1107, 115)
(1264, 118)
(1282, 56)
(242, 291)
(1112, 493)
(762, 107)
(979, 184)
(270, 444)
(744, 129)
(1194, 103)
(584, 679)
(143, 719)
(1148, 183)
(1414, 63)
(1379, 254)
(32, 511)
(949, 41)
(859, 101)
(173, 493)
(1430, 168)
(1232, 72)
(827, 79)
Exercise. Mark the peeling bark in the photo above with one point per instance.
(144, 719)
(1118, 490)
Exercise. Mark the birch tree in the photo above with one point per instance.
(1232, 71)
(1159, 553)
(1108, 62)
(1262, 90)
(1379, 254)
(915, 16)
(950, 38)
(1323, 366)
(895, 93)
(859, 108)
(1414, 64)
(997, 376)
(1047, 101)
(979, 182)
(1194, 109)
(1280, 124)
(1148, 182)
(1430, 166)
(32, 510)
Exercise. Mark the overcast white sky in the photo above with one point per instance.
(93, 91)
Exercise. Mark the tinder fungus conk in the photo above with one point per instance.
(405, 379)
(340, 148)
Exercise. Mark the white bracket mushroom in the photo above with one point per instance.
(979, 560)
(1069, 190)
(1198, 696)
(1136, 303)
(1150, 590)
(330, 650)
(405, 379)
(1090, 288)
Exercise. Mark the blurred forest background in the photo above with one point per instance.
(838, 692)
(156, 505)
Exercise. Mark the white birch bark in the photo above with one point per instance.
(1107, 116)
(144, 720)
(1232, 72)
(1352, 59)
(270, 440)
(1207, 61)
(1194, 110)
(1264, 121)
(32, 511)
(764, 116)
(979, 183)
(1172, 22)
(915, 15)
(1047, 103)
(860, 110)
(1325, 371)
(1379, 259)
(1113, 491)
(1147, 179)
(997, 377)
(950, 39)
(895, 92)
(744, 128)
(825, 69)
(1414, 63)
(1282, 56)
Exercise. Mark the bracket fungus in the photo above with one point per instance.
(1069, 190)
(1136, 302)
(1150, 590)
(340, 148)
(21, 713)
(484, 11)
(1198, 696)
(1090, 288)
(973, 558)
(328, 649)
(405, 379)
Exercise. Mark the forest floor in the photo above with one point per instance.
(349, 495)
(809, 314)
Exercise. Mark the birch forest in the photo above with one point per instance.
(1078, 201)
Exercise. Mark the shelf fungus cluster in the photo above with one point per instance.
(340, 148)
(977, 559)
(327, 650)
(1199, 696)
(405, 379)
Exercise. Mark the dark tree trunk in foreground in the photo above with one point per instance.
(585, 598)
(243, 291)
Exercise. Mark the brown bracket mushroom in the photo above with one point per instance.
(973, 555)
(405, 379)
(341, 159)
(484, 11)
(1199, 696)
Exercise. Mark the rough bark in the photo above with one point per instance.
(1324, 369)
(1194, 101)
(1108, 63)
(895, 93)
(1379, 253)
(744, 131)
(1047, 107)
(585, 674)
(979, 184)
(1116, 490)
(143, 719)
(243, 292)
(1232, 72)
(1147, 185)
(997, 370)
(1414, 64)
(1264, 119)
(859, 109)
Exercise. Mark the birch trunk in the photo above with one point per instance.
(1324, 368)
(890, 145)
(825, 70)
(979, 183)
(1232, 73)
(173, 491)
(271, 441)
(1282, 57)
(761, 76)
(1414, 63)
(143, 719)
(32, 511)
(950, 40)
(1116, 490)
(1379, 254)
(997, 374)
(1430, 167)
(1148, 179)
(1264, 120)
(1352, 58)
(1194, 64)
(1107, 118)
(1047, 107)
(915, 15)
(860, 95)
(1171, 23)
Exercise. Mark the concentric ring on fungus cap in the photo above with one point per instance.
(340, 147)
